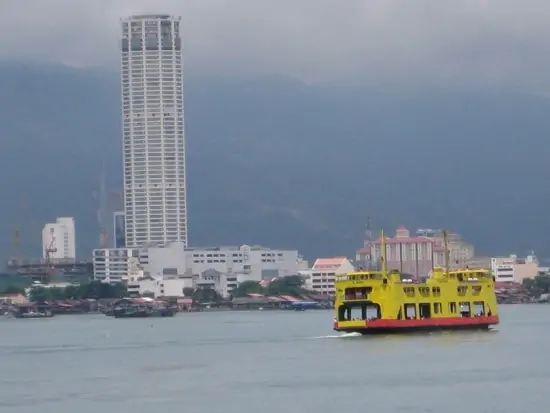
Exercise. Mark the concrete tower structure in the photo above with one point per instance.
(155, 199)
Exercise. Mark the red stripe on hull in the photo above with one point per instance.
(447, 322)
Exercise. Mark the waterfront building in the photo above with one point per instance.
(119, 230)
(58, 240)
(514, 269)
(155, 202)
(417, 254)
(320, 278)
(221, 268)
(114, 265)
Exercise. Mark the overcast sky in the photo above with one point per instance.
(472, 42)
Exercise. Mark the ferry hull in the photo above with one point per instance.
(417, 326)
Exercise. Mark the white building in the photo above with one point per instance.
(58, 239)
(153, 130)
(220, 267)
(114, 265)
(514, 269)
(321, 276)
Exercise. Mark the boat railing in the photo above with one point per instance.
(358, 277)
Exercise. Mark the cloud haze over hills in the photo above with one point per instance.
(500, 43)
(286, 164)
(414, 112)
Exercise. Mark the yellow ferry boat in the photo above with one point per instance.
(370, 302)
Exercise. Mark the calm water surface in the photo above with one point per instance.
(269, 362)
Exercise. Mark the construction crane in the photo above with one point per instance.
(49, 250)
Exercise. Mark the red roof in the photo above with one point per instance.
(326, 263)
(289, 298)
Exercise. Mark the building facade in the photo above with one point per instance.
(58, 240)
(223, 268)
(115, 265)
(320, 278)
(514, 269)
(119, 230)
(417, 254)
(155, 201)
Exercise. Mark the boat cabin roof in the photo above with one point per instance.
(465, 275)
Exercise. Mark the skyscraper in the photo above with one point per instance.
(155, 202)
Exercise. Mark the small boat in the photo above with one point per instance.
(143, 312)
(32, 314)
(381, 302)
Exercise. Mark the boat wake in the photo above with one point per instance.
(345, 335)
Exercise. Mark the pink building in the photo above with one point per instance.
(408, 254)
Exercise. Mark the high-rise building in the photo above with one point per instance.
(119, 230)
(155, 202)
(58, 240)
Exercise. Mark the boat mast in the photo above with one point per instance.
(383, 252)
(446, 246)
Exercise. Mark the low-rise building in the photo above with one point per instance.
(222, 267)
(13, 299)
(514, 269)
(416, 254)
(114, 265)
(321, 276)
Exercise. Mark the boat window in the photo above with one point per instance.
(424, 291)
(437, 308)
(359, 311)
(410, 311)
(436, 291)
(409, 291)
(357, 293)
(424, 310)
(465, 310)
(462, 290)
(476, 289)
(479, 309)
(452, 308)
(460, 276)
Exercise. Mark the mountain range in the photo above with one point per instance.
(282, 163)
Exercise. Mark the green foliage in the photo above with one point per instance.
(13, 289)
(248, 287)
(188, 292)
(207, 295)
(289, 285)
(538, 285)
(95, 289)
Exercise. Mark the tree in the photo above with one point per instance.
(289, 285)
(207, 295)
(13, 289)
(95, 290)
(40, 294)
(188, 291)
(538, 285)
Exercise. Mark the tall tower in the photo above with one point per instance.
(155, 201)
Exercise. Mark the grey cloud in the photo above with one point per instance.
(475, 42)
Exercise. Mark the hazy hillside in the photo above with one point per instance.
(280, 163)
